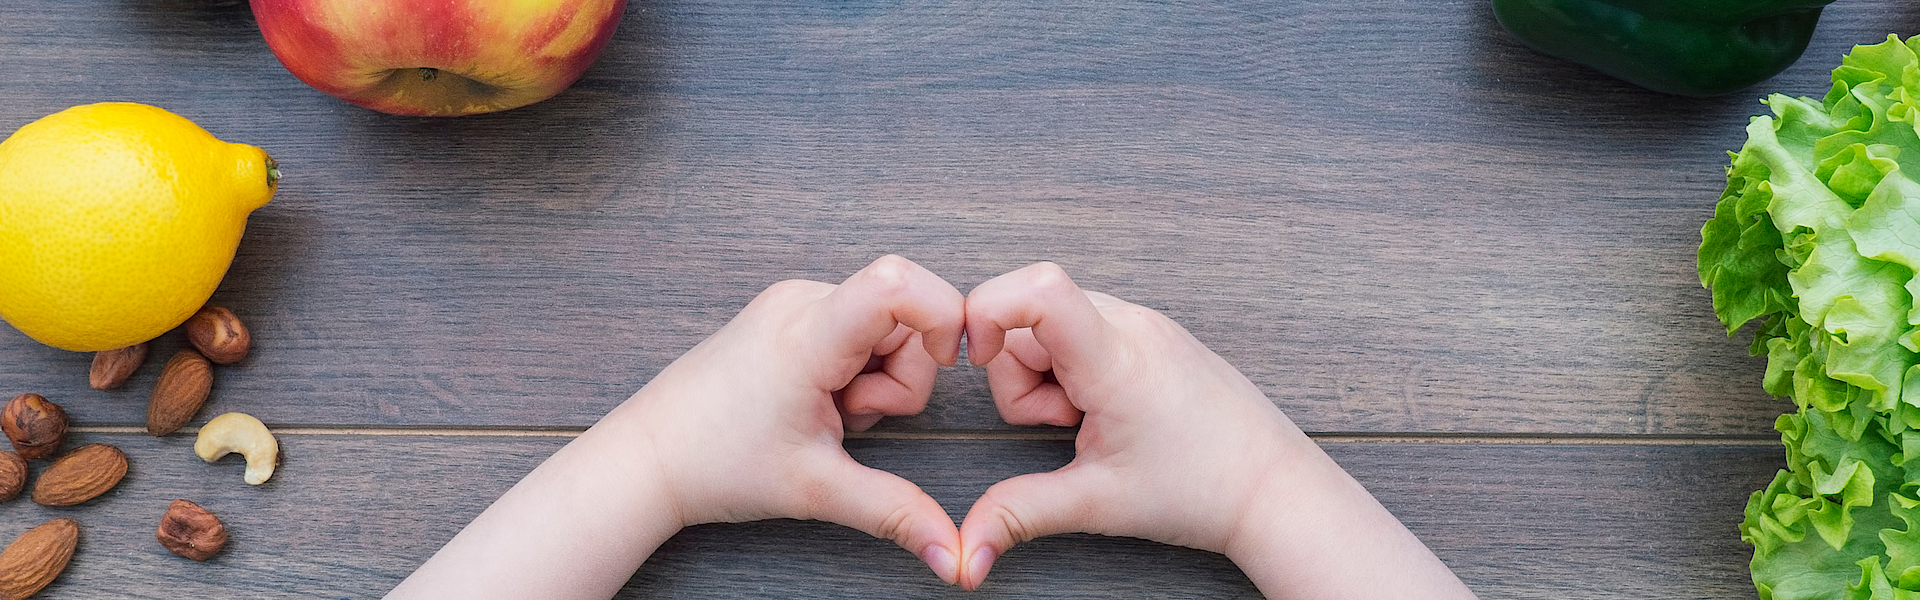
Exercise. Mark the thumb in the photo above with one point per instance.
(1023, 508)
(888, 506)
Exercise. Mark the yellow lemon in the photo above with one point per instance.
(118, 220)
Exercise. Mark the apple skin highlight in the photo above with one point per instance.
(438, 57)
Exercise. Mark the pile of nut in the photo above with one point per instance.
(37, 428)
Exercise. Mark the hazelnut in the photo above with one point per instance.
(219, 335)
(13, 475)
(35, 425)
(192, 531)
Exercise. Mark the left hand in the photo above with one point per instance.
(748, 424)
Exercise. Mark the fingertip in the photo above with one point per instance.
(1041, 297)
(943, 563)
(938, 539)
(1026, 507)
(944, 343)
(1063, 416)
(858, 423)
(890, 507)
(929, 303)
(984, 337)
(984, 341)
(978, 564)
(988, 530)
(872, 304)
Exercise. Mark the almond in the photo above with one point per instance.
(13, 475)
(219, 335)
(112, 368)
(182, 389)
(192, 531)
(35, 558)
(36, 426)
(80, 475)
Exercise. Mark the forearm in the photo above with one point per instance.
(1319, 534)
(576, 527)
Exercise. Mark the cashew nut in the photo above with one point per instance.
(240, 432)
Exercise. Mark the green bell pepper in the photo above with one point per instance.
(1685, 47)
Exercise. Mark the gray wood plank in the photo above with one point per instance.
(1387, 212)
(347, 516)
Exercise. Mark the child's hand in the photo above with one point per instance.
(1176, 446)
(748, 424)
(1175, 443)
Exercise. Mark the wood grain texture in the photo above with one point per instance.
(1388, 213)
(349, 516)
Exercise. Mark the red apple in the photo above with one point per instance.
(438, 57)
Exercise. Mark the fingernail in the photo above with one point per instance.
(977, 566)
(943, 563)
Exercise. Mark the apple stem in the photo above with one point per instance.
(428, 73)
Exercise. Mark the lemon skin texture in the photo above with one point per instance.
(118, 221)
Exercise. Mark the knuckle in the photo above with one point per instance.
(889, 275)
(1050, 281)
(1007, 511)
(889, 272)
(895, 525)
(788, 289)
(892, 261)
(1048, 276)
(1017, 529)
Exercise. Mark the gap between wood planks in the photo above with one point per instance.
(1061, 436)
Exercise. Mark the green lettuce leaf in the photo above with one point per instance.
(1817, 237)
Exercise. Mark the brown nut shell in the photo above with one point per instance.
(13, 475)
(192, 531)
(219, 335)
(80, 475)
(112, 368)
(37, 557)
(36, 426)
(183, 387)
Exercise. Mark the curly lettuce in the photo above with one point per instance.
(1817, 237)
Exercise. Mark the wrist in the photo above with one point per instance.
(576, 527)
(608, 483)
(1315, 532)
(624, 457)
(1292, 497)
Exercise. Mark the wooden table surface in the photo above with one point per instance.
(1466, 268)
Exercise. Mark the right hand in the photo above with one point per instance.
(1175, 446)
(1174, 443)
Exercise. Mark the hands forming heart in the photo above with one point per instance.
(1175, 446)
